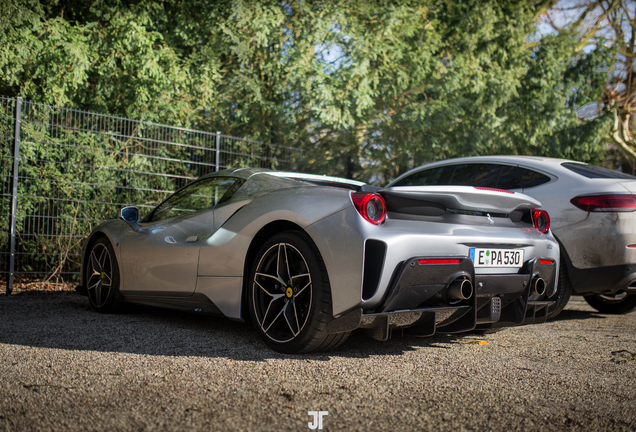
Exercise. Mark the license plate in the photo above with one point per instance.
(496, 257)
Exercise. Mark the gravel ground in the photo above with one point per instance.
(65, 367)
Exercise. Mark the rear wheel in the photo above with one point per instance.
(563, 293)
(289, 295)
(102, 277)
(619, 303)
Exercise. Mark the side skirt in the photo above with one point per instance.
(196, 303)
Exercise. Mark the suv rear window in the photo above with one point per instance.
(532, 178)
(591, 171)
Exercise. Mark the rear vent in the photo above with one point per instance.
(374, 252)
(495, 309)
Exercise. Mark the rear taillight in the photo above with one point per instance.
(606, 203)
(370, 206)
(541, 220)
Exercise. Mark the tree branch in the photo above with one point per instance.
(591, 32)
(623, 144)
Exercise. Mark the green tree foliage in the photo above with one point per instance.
(543, 118)
(367, 88)
(108, 58)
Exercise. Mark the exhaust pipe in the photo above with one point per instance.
(460, 289)
(537, 286)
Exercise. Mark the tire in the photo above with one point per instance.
(102, 278)
(617, 304)
(563, 293)
(289, 296)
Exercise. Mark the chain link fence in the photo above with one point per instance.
(63, 171)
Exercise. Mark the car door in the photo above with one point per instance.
(162, 257)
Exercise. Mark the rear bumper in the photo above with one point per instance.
(373, 253)
(602, 280)
(419, 300)
(600, 241)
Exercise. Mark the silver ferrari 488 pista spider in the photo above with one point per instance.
(308, 258)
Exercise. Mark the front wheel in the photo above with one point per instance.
(102, 277)
(289, 295)
(617, 304)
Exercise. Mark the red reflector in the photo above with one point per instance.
(599, 203)
(493, 189)
(550, 262)
(439, 261)
(632, 246)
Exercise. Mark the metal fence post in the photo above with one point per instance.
(14, 194)
(218, 151)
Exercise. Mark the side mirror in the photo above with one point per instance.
(129, 214)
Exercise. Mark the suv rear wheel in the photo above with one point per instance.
(617, 304)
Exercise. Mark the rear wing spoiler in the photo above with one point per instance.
(437, 200)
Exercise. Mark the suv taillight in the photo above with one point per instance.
(370, 206)
(541, 220)
(606, 203)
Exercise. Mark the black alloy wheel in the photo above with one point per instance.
(102, 277)
(282, 294)
(289, 296)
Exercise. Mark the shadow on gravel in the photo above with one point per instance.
(577, 315)
(66, 321)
